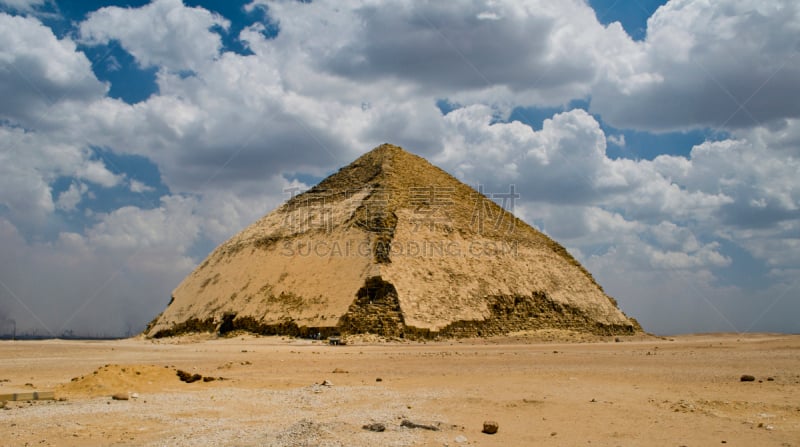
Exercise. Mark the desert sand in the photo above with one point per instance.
(675, 391)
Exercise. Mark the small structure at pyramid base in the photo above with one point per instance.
(393, 246)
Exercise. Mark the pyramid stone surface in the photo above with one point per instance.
(391, 245)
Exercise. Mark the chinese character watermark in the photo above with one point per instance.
(431, 206)
(499, 216)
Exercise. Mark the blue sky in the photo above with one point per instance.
(657, 140)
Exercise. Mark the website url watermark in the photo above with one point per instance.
(396, 249)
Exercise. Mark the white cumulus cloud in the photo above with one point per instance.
(38, 70)
(164, 33)
(723, 64)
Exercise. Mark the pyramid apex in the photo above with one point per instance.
(388, 147)
(383, 152)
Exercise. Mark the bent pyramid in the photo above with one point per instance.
(395, 246)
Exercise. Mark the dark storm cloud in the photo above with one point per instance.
(279, 144)
(744, 216)
(454, 46)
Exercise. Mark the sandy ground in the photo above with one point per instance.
(680, 391)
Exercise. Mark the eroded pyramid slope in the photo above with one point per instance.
(391, 245)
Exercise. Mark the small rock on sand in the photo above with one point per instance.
(188, 377)
(409, 424)
(490, 427)
(377, 427)
(747, 378)
(120, 396)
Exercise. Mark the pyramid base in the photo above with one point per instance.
(377, 311)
